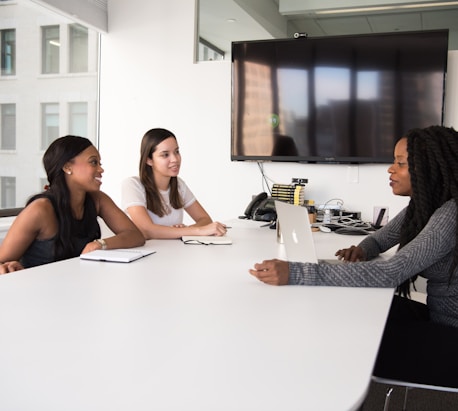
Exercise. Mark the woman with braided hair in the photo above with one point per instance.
(61, 222)
(420, 340)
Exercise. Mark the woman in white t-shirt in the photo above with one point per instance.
(156, 199)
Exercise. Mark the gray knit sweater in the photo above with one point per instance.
(430, 255)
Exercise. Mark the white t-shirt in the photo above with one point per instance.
(133, 194)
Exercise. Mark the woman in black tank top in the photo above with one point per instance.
(61, 222)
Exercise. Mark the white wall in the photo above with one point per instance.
(149, 80)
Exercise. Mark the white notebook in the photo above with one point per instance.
(119, 255)
(205, 239)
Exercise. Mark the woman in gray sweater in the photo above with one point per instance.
(419, 339)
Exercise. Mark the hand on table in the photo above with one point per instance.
(215, 228)
(274, 272)
(10, 266)
(352, 254)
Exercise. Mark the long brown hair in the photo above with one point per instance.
(154, 201)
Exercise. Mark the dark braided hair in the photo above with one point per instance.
(433, 168)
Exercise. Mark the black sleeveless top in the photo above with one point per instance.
(82, 232)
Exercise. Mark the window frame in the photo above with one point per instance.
(48, 57)
(89, 79)
(3, 120)
(4, 71)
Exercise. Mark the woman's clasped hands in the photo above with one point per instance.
(10, 266)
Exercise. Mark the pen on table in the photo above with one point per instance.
(228, 226)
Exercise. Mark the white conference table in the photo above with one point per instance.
(186, 328)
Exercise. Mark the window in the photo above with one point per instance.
(78, 42)
(8, 50)
(50, 48)
(42, 183)
(49, 123)
(52, 94)
(8, 127)
(78, 119)
(7, 192)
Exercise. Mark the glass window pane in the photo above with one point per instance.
(8, 127)
(42, 183)
(78, 38)
(8, 52)
(8, 192)
(36, 109)
(50, 49)
(78, 119)
(49, 124)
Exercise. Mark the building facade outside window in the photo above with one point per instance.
(8, 52)
(8, 127)
(78, 119)
(54, 92)
(49, 123)
(78, 42)
(50, 49)
(7, 192)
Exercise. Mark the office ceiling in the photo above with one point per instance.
(224, 21)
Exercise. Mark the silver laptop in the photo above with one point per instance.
(297, 233)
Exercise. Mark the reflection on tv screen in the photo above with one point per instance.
(335, 99)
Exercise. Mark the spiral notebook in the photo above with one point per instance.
(119, 255)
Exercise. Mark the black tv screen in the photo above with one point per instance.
(344, 99)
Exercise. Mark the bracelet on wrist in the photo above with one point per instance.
(102, 242)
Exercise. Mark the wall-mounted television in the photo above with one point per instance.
(339, 99)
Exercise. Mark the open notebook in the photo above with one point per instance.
(205, 239)
(119, 255)
(297, 233)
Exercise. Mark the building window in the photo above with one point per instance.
(8, 127)
(45, 106)
(8, 192)
(49, 124)
(42, 183)
(78, 125)
(50, 48)
(8, 50)
(78, 43)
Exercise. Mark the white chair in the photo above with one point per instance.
(408, 386)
